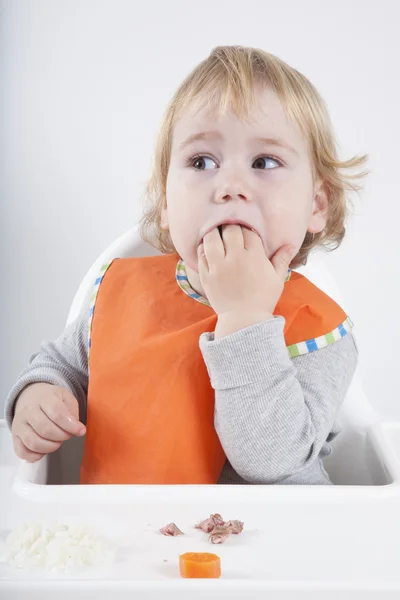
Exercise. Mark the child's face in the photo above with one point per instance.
(256, 172)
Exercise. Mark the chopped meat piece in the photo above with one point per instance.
(208, 524)
(235, 526)
(171, 529)
(218, 529)
(219, 534)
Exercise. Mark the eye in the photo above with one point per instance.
(266, 162)
(203, 163)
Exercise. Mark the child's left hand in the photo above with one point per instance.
(242, 285)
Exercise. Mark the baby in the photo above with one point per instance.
(214, 362)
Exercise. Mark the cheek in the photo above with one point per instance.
(177, 201)
(286, 214)
(184, 216)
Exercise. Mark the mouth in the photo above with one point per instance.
(220, 226)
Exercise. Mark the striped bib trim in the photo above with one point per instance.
(295, 349)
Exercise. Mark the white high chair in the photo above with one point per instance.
(347, 464)
(299, 541)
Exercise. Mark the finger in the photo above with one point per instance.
(70, 402)
(58, 412)
(42, 425)
(213, 247)
(251, 239)
(33, 442)
(22, 451)
(282, 259)
(232, 236)
(202, 260)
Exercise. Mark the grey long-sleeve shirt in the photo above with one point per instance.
(274, 415)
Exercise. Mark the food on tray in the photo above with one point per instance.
(219, 534)
(235, 527)
(215, 525)
(199, 565)
(208, 524)
(56, 547)
(171, 529)
(219, 529)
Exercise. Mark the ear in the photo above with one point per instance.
(164, 221)
(319, 214)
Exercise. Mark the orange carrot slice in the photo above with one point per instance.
(199, 565)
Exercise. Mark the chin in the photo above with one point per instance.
(188, 255)
(191, 262)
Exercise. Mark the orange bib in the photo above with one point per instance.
(150, 416)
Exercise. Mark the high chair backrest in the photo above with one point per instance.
(356, 413)
(128, 244)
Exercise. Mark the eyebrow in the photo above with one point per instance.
(264, 141)
(196, 137)
(277, 143)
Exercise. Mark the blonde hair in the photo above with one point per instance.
(228, 77)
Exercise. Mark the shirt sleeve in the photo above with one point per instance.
(274, 413)
(63, 362)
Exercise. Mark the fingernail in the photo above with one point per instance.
(82, 431)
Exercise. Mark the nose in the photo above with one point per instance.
(232, 188)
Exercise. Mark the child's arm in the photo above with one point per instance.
(45, 416)
(63, 363)
(47, 403)
(273, 414)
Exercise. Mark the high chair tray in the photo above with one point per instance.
(298, 542)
